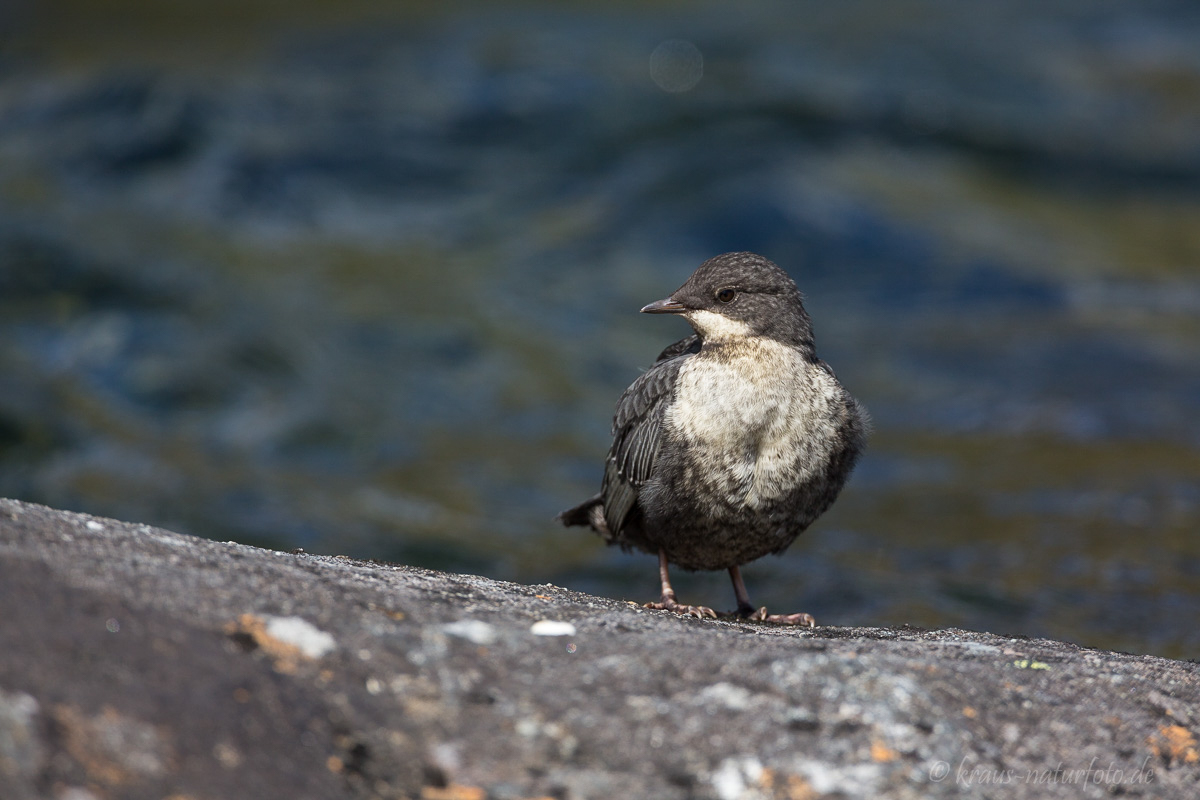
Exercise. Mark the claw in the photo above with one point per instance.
(750, 614)
(805, 620)
(669, 604)
(746, 611)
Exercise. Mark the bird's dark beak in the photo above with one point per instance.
(668, 306)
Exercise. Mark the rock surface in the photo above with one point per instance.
(139, 663)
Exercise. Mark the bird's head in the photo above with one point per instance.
(738, 295)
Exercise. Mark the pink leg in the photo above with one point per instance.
(668, 602)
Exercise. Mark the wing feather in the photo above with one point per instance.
(637, 433)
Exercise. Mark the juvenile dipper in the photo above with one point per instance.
(734, 441)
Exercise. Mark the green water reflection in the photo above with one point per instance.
(365, 280)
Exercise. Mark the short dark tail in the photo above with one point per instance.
(589, 513)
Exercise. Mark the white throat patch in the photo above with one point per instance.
(713, 326)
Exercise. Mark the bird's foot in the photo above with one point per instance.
(668, 603)
(761, 615)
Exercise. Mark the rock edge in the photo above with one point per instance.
(140, 663)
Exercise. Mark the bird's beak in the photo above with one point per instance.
(668, 306)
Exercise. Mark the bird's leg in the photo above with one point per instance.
(746, 609)
(668, 602)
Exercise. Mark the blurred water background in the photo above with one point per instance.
(363, 278)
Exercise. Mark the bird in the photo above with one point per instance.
(734, 441)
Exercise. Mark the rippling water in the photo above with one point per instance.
(369, 284)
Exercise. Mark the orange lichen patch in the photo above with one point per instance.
(390, 613)
(542, 596)
(454, 791)
(334, 764)
(882, 753)
(785, 786)
(969, 712)
(252, 631)
(112, 748)
(1174, 744)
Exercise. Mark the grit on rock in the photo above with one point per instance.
(138, 663)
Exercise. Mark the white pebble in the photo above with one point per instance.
(311, 640)
(728, 781)
(550, 627)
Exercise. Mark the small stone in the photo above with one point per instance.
(735, 776)
(299, 632)
(550, 627)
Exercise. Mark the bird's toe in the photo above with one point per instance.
(802, 619)
(760, 614)
(699, 612)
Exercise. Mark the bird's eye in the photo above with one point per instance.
(726, 295)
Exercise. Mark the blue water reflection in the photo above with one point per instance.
(371, 288)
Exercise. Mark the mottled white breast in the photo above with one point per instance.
(757, 416)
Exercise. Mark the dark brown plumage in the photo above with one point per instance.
(734, 441)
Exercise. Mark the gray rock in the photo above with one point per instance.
(139, 663)
(21, 752)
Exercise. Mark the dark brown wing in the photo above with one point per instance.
(637, 433)
(688, 345)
